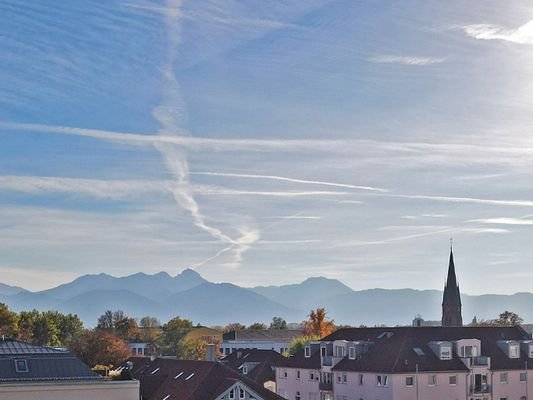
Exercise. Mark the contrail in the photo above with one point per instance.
(293, 180)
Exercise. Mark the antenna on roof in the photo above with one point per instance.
(451, 243)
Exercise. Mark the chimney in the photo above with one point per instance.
(153, 357)
(210, 352)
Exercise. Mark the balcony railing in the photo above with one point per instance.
(480, 360)
(326, 386)
(482, 388)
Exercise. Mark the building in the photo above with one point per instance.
(143, 349)
(451, 298)
(257, 365)
(262, 339)
(171, 379)
(29, 372)
(408, 363)
(205, 334)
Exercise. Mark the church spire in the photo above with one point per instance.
(451, 299)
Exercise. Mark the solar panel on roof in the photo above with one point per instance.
(418, 351)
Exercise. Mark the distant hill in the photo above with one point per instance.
(190, 296)
(10, 290)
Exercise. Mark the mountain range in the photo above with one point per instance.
(191, 296)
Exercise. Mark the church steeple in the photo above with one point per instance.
(451, 299)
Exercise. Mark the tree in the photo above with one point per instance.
(257, 326)
(150, 329)
(127, 329)
(105, 321)
(191, 349)
(26, 325)
(100, 347)
(8, 321)
(70, 326)
(278, 323)
(300, 342)
(508, 318)
(172, 332)
(318, 324)
(234, 326)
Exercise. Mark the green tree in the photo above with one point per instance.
(508, 318)
(46, 329)
(172, 332)
(26, 325)
(8, 321)
(257, 326)
(127, 329)
(150, 329)
(191, 349)
(234, 326)
(278, 323)
(70, 326)
(299, 343)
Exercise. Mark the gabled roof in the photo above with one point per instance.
(263, 363)
(396, 353)
(189, 380)
(40, 364)
(265, 335)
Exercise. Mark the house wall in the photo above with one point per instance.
(109, 390)
(352, 390)
(260, 345)
(442, 390)
(288, 386)
(514, 389)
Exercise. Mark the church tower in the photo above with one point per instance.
(451, 300)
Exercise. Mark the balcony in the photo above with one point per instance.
(479, 389)
(326, 386)
(480, 361)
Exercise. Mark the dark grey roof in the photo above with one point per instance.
(43, 363)
(395, 353)
(451, 294)
(263, 335)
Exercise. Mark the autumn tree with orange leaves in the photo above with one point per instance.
(318, 324)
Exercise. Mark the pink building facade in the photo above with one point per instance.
(408, 363)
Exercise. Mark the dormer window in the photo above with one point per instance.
(468, 351)
(351, 353)
(530, 351)
(307, 351)
(21, 366)
(445, 353)
(514, 351)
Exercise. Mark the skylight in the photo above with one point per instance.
(154, 371)
(21, 366)
(177, 376)
(418, 351)
(189, 377)
(166, 397)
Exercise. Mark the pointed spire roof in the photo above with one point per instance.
(451, 290)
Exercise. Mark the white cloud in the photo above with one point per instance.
(520, 35)
(504, 221)
(405, 60)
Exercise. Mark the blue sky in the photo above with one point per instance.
(265, 142)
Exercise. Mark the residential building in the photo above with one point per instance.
(143, 349)
(29, 372)
(257, 365)
(262, 339)
(171, 379)
(205, 334)
(408, 363)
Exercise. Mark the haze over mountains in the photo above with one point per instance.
(191, 296)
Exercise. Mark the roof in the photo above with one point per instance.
(265, 335)
(189, 380)
(20, 361)
(451, 294)
(260, 363)
(394, 353)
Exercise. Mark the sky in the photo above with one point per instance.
(264, 142)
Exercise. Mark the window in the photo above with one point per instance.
(344, 377)
(504, 378)
(432, 380)
(285, 373)
(452, 379)
(351, 353)
(245, 370)
(298, 396)
(418, 351)
(361, 377)
(468, 351)
(445, 353)
(523, 376)
(166, 397)
(178, 375)
(382, 380)
(241, 393)
(514, 351)
(189, 377)
(232, 394)
(409, 381)
(307, 352)
(339, 351)
(21, 366)
(311, 375)
(339, 378)
(530, 347)
(323, 351)
(154, 371)
(298, 374)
